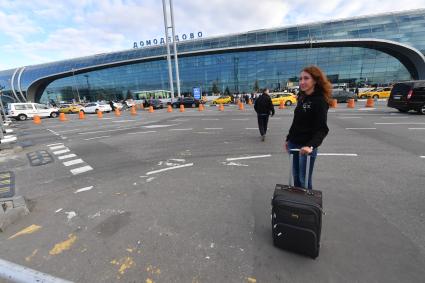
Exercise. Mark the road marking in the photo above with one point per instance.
(57, 147)
(66, 156)
(366, 109)
(360, 128)
(73, 162)
(423, 156)
(248, 157)
(392, 117)
(83, 190)
(350, 117)
(81, 170)
(251, 128)
(68, 131)
(101, 137)
(29, 230)
(188, 129)
(337, 154)
(210, 119)
(213, 128)
(60, 151)
(246, 119)
(416, 128)
(53, 144)
(401, 123)
(145, 132)
(169, 168)
(158, 126)
(123, 121)
(18, 273)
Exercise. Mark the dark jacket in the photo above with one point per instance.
(264, 105)
(309, 127)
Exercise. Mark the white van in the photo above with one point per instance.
(23, 111)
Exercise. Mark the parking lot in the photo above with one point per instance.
(185, 197)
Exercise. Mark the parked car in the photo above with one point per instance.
(94, 107)
(407, 96)
(222, 100)
(342, 95)
(382, 92)
(188, 102)
(155, 103)
(23, 111)
(70, 108)
(288, 99)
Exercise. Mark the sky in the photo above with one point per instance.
(40, 31)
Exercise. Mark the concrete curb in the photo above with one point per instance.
(11, 210)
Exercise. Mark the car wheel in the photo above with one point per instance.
(402, 110)
(375, 96)
(362, 96)
(54, 114)
(288, 103)
(422, 110)
(22, 117)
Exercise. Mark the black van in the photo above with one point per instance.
(407, 96)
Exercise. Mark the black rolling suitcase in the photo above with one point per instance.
(297, 216)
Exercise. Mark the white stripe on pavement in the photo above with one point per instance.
(401, 123)
(73, 162)
(423, 156)
(248, 157)
(416, 128)
(101, 137)
(360, 128)
(244, 119)
(83, 190)
(18, 273)
(251, 128)
(68, 131)
(188, 129)
(57, 147)
(158, 126)
(169, 168)
(81, 170)
(213, 128)
(351, 117)
(123, 121)
(66, 156)
(338, 154)
(60, 151)
(210, 119)
(145, 132)
(53, 144)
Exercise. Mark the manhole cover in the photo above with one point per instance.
(40, 157)
(7, 184)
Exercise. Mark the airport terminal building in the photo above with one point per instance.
(377, 49)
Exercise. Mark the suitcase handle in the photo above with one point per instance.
(291, 164)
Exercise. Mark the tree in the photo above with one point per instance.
(256, 87)
(215, 88)
(227, 91)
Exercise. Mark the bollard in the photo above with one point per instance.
(37, 120)
(250, 101)
(201, 107)
(282, 105)
(181, 108)
(133, 111)
(351, 103)
(369, 102)
(99, 114)
(241, 106)
(169, 109)
(334, 103)
(221, 107)
(62, 117)
(117, 112)
(81, 115)
(151, 110)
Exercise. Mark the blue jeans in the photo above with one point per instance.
(299, 166)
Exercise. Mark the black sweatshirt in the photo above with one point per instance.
(309, 126)
(264, 105)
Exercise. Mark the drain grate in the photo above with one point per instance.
(7, 184)
(40, 157)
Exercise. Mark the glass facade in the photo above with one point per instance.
(237, 71)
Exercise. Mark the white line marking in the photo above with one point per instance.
(416, 128)
(366, 109)
(391, 117)
(53, 144)
(145, 132)
(73, 162)
(401, 123)
(57, 147)
(59, 210)
(123, 121)
(337, 154)
(18, 273)
(81, 170)
(101, 137)
(360, 128)
(351, 117)
(423, 156)
(60, 151)
(248, 157)
(210, 119)
(68, 131)
(213, 128)
(158, 126)
(169, 168)
(251, 128)
(245, 119)
(203, 133)
(188, 129)
(83, 190)
(66, 156)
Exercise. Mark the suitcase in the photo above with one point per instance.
(297, 216)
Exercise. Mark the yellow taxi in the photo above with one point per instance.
(287, 98)
(70, 108)
(376, 93)
(222, 100)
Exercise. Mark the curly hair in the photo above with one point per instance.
(322, 83)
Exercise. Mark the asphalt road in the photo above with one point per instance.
(120, 214)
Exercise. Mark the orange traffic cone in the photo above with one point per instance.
(334, 103)
(169, 109)
(133, 111)
(37, 120)
(151, 109)
(351, 103)
(181, 108)
(369, 102)
(201, 107)
(81, 115)
(62, 117)
(241, 106)
(282, 105)
(99, 114)
(221, 107)
(117, 112)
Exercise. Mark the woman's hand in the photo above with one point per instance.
(305, 150)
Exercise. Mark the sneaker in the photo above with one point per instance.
(263, 138)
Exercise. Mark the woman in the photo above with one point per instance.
(309, 127)
(264, 107)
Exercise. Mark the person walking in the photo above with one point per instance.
(309, 126)
(264, 107)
